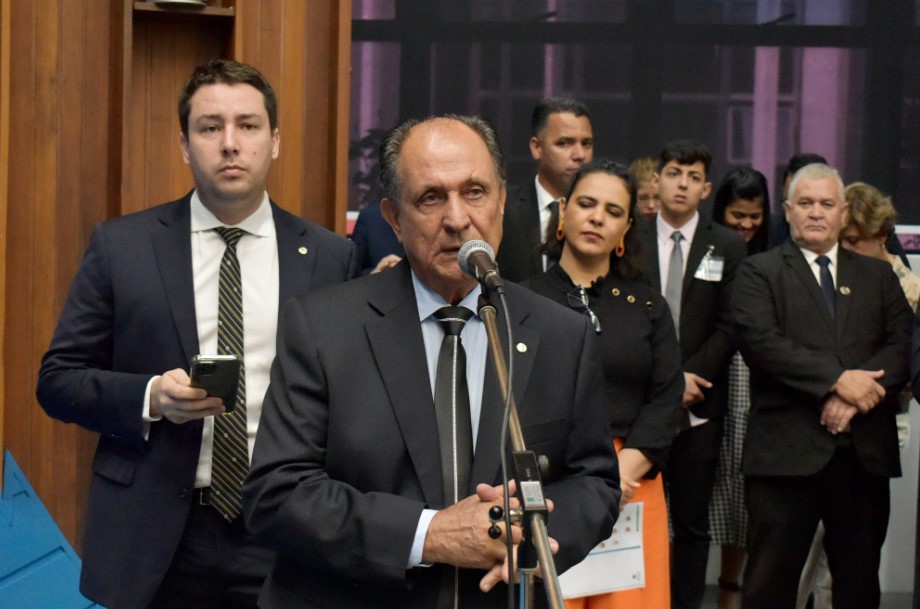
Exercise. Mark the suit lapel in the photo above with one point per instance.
(650, 242)
(702, 242)
(172, 246)
(530, 217)
(296, 256)
(399, 350)
(846, 279)
(796, 260)
(487, 462)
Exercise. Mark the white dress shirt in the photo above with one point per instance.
(257, 251)
(475, 344)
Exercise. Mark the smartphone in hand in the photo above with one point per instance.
(219, 375)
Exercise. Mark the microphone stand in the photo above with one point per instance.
(533, 504)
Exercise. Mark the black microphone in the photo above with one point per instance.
(477, 260)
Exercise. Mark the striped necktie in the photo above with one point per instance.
(230, 457)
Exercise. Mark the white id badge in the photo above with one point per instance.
(710, 268)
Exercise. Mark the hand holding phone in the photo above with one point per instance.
(219, 375)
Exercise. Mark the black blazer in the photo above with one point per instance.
(347, 453)
(796, 352)
(519, 256)
(705, 327)
(130, 315)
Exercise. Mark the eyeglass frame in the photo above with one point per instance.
(578, 300)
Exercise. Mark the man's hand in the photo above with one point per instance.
(860, 389)
(172, 398)
(386, 262)
(499, 571)
(459, 535)
(693, 388)
(836, 414)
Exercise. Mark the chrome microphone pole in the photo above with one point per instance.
(535, 509)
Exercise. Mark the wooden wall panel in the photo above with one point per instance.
(303, 48)
(92, 101)
(58, 181)
(5, 35)
(164, 54)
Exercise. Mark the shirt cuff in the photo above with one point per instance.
(696, 421)
(146, 411)
(418, 544)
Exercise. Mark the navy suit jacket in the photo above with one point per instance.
(347, 452)
(519, 256)
(705, 327)
(796, 352)
(374, 238)
(130, 315)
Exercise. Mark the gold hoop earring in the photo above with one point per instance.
(621, 247)
(560, 229)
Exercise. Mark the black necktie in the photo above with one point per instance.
(452, 406)
(455, 431)
(827, 285)
(230, 456)
(553, 207)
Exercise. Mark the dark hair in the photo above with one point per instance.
(797, 161)
(744, 183)
(554, 105)
(631, 265)
(685, 152)
(393, 141)
(226, 72)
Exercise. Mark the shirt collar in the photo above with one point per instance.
(811, 256)
(665, 230)
(429, 301)
(259, 223)
(543, 196)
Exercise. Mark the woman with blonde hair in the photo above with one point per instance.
(870, 223)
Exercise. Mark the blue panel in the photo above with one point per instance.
(38, 568)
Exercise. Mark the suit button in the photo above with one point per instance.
(183, 494)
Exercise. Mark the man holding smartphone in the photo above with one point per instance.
(201, 275)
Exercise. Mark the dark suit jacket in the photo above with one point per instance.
(518, 255)
(705, 327)
(130, 315)
(374, 238)
(796, 352)
(347, 453)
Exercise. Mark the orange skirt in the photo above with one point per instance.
(657, 591)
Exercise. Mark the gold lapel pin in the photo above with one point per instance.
(844, 290)
(302, 250)
(521, 348)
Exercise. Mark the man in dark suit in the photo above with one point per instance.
(377, 246)
(351, 481)
(826, 334)
(143, 304)
(561, 141)
(692, 261)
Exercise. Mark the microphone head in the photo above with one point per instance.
(474, 245)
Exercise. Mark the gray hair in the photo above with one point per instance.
(816, 171)
(393, 141)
